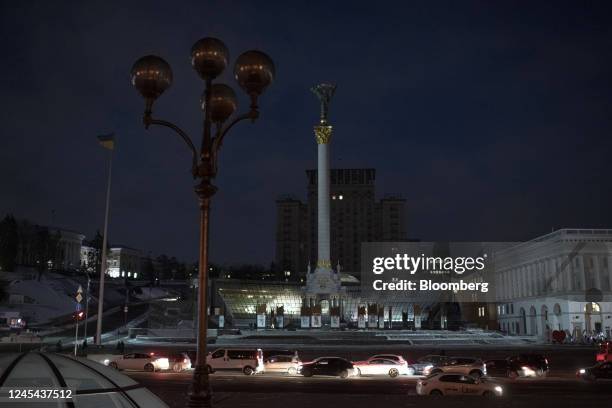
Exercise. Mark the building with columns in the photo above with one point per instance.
(559, 281)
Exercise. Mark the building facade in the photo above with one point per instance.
(560, 281)
(59, 248)
(124, 262)
(355, 217)
(291, 235)
(121, 261)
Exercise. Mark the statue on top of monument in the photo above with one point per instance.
(324, 92)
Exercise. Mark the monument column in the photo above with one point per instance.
(323, 134)
(323, 284)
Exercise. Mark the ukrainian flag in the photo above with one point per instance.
(107, 141)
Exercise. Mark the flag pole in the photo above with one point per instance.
(103, 256)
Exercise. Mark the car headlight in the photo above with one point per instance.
(582, 371)
(163, 363)
(106, 361)
(498, 389)
(528, 371)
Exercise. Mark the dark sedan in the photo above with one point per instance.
(330, 366)
(525, 365)
(531, 365)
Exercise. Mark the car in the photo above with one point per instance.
(601, 370)
(249, 361)
(394, 357)
(531, 365)
(285, 364)
(179, 362)
(382, 366)
(471, 366)
(331, 366)
(140, 361)
(443, 384)
(498, 368)
(510, 369)
(425, 364)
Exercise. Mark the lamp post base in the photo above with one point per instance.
(200, 395)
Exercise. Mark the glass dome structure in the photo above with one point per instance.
(93, 385)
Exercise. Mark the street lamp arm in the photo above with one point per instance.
(148, 120)
(253, 114)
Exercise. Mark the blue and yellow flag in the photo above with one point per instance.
(107, 141)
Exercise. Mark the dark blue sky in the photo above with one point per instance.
(494, 121)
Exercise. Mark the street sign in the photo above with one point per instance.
(80, 289)
(79, 297)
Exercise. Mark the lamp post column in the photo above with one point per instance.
(201, 393)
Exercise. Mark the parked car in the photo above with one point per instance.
(249, 361)
(332, 366)
(601, 370)
(179, 362)
(285, 364)
(424, 365)
(528, 365)
(381, 366)
(440, 384)
(140, 361)
(471, 366)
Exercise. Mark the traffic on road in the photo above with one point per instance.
(431, 375)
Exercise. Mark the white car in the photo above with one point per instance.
(457, 384)
(381, 366)
(249, 361)
(460, 365)
(179, 362)
(282, 364)
(139, 361)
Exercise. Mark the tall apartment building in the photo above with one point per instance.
(291, 250)
(356, 217)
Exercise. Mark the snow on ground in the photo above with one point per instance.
(49, 296)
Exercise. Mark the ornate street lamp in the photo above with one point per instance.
(151, 76)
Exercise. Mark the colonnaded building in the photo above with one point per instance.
(559, 281)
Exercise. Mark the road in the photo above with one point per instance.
(172, 387)
(560, 388)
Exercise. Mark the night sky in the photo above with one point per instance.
(493, 121)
